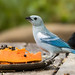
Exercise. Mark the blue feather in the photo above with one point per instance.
(57, 42)
(73, 51)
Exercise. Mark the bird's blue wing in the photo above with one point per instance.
(55, 42)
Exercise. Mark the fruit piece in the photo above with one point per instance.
(18, 55)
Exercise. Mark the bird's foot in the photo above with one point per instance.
(48, 59)
(54, 66)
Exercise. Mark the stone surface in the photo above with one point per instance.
(68, 66)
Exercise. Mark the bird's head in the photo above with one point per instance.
(35, 20)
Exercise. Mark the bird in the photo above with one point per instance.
(47, 40)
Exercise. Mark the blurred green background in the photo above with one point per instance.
(13, 12)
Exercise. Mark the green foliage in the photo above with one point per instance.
(13, 12)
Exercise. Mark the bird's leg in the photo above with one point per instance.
(67, 54)
(51, 57)
(55, 55)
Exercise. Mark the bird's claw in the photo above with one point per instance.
(48, 59)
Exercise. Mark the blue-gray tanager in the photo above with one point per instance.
(47, 40)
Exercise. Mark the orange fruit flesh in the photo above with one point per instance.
(18, 56)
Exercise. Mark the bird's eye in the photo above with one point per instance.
(35, 18)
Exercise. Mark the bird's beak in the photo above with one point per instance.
(28, 18)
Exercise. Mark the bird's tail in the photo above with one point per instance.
(73, 51)
(68, 50)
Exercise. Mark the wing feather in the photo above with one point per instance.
(55, 41)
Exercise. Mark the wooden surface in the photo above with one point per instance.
(57, 68)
